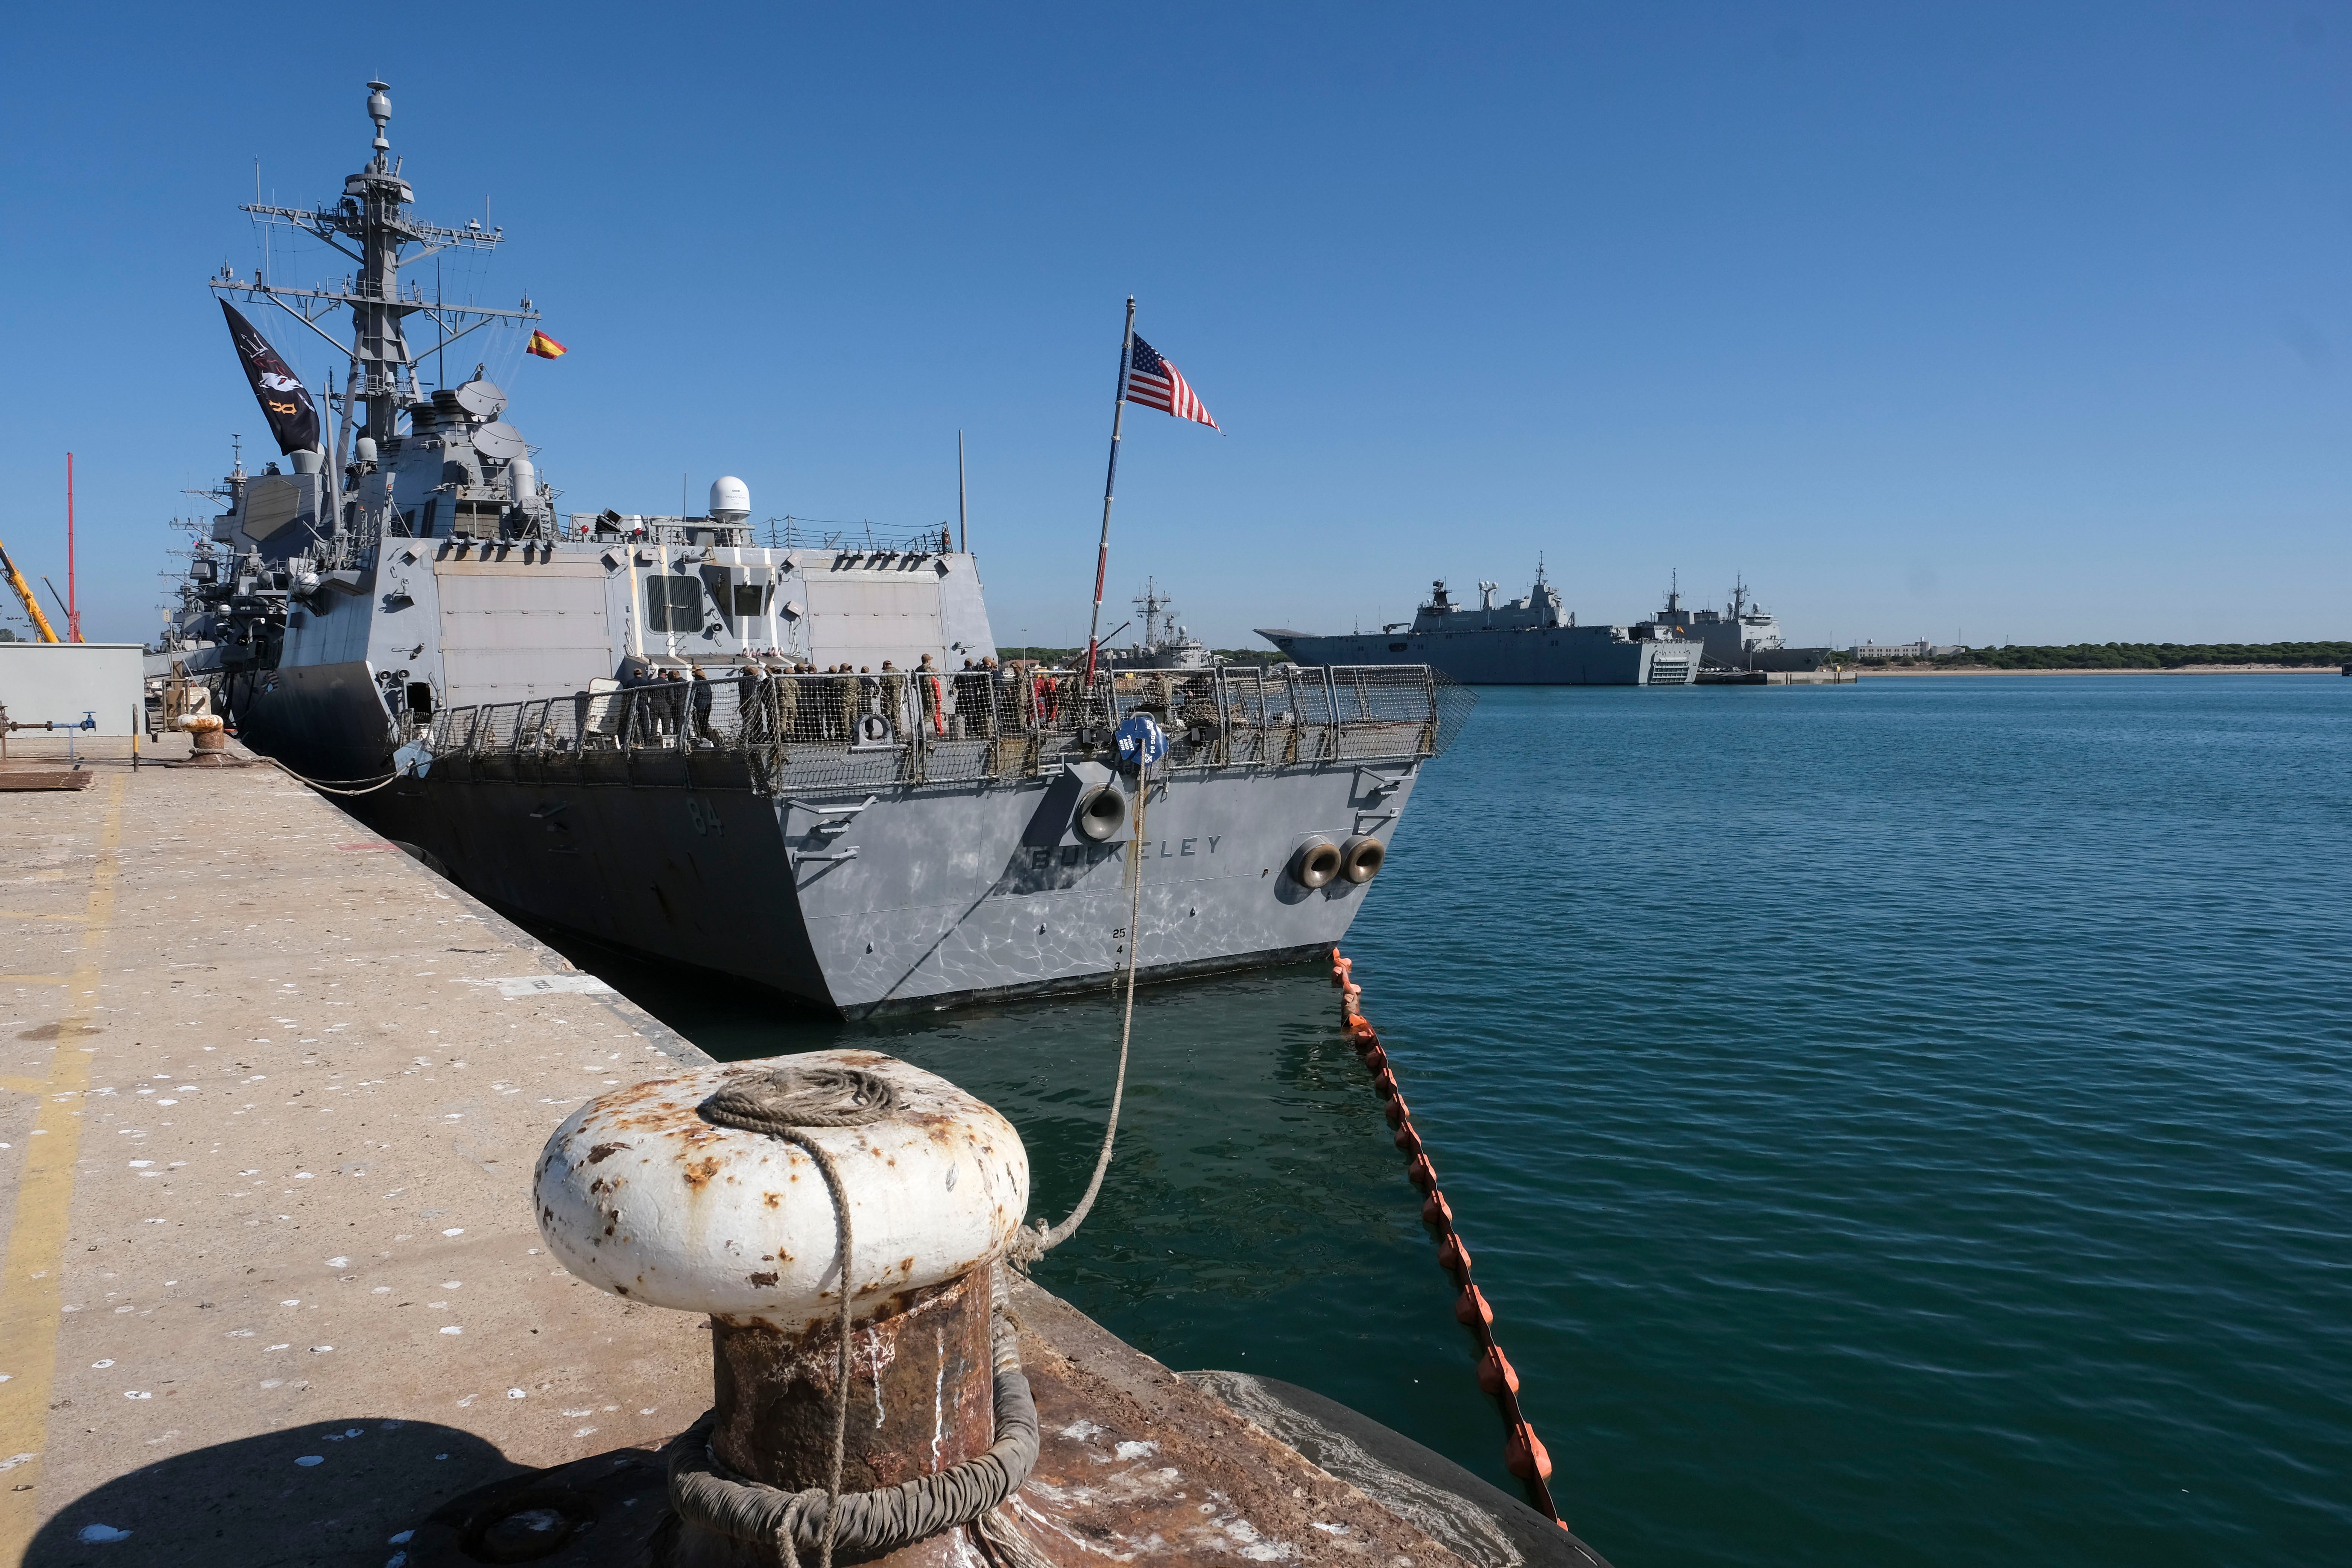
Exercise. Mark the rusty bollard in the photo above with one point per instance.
(640, 1193)
(209, 740)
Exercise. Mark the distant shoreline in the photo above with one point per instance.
(1874, 670)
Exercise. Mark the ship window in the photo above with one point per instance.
(748, 597)
(1397, 647)
(673, 604)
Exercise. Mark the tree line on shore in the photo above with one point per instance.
(2129, 656)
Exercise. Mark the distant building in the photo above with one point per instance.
(1920, 649)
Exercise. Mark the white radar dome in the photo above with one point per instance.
(731, 499)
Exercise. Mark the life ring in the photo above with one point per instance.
(1316, 863)
(1101, 814)
(1361, 859)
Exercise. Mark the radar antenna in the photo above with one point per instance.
(1153, 604)
(371, 225)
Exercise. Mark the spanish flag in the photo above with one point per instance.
(545, 346)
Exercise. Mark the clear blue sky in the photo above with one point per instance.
(2005, 322)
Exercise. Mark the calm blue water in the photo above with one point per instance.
(1899, 1123)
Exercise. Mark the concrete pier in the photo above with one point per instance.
(274, 1091)
(272, 1290)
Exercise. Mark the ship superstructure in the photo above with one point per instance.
(796, 761)
(1742, 635)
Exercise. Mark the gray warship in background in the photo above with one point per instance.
(1530, 641)
(606, 722)
(1741, 637)
(1160, 643)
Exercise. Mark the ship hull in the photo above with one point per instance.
(1558, 655)
(931, 897)
(325, 721)
(1784, 660)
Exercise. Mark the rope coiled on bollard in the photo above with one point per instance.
(706, 1493)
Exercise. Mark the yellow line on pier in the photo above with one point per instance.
(32, 1283)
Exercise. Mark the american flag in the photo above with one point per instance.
(1155, 384)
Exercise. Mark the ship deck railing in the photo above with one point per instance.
(778, 734)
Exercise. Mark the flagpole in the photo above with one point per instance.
(963, 525)
(1118, 414)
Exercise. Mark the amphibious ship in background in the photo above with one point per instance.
(1534, 641)
(788, 762)
(1742, 635)
(1530, 641)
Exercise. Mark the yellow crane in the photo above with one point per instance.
(24, 592)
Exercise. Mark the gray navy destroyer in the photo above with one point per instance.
(1161, 644)
(797, 762)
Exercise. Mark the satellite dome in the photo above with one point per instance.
(500, 440)
(481, 396)
(731, 499)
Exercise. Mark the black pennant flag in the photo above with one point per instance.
(293, 417)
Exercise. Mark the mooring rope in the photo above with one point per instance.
(707, 1494)
(1028, 1246)
(1523, 1451)
(780, 1104)
(327, 788)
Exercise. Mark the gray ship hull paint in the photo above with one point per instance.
(324, 720)
(1781, 659)
(953, 894)
(1556, 656)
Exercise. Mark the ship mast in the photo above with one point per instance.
(1151, 604)
(370, 224)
